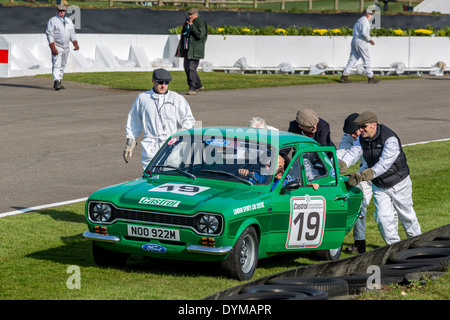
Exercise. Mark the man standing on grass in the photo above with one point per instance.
(389, 173)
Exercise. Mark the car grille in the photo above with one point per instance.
(153, 217)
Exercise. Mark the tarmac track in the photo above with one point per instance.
(63, 145)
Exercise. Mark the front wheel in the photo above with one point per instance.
(242, 261)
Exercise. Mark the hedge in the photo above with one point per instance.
(308, 31)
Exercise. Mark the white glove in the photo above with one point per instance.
(128, 151)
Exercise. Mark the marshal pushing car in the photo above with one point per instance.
(233, 195)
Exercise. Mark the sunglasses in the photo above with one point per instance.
(364, 126)
(162, 82)
(62, 10)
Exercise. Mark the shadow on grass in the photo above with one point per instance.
(78, 251)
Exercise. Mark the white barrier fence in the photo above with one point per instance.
(29, 54)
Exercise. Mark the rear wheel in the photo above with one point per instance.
(330, 254)
(242, 261)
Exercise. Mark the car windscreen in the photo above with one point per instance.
(195, 156)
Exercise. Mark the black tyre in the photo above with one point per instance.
(432, 244)
(243, 259)
(310, 293)
(107, 258)
(422, 255)
(333, 286)
(268, 296)
(402, 269)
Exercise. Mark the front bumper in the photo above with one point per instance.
(191, 248)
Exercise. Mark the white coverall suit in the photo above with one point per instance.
(61, 32)
(359, 230)
(157, 116)
(390, 200)
(360, 47)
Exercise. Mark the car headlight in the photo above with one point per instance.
(209, 224)
(101, 212)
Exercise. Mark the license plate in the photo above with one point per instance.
(153, 233)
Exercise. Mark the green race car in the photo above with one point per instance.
(233, 195)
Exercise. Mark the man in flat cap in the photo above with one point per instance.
(386, 167)
(192, 48)
(309, 124)
(157, 114)
(360, 48)
(60, 32)
(351, 133)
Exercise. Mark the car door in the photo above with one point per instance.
(305, 218)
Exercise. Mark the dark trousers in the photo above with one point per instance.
(193, 80)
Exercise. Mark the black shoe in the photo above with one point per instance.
(57, 85)
(359, 246)
(373, 80)
(344, 79)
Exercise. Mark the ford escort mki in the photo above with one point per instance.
(231, 195)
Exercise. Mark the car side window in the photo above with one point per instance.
(314, 166)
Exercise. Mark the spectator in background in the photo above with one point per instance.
(192, 48)
(360, 48)
(60, 32)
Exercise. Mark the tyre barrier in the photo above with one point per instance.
(423, 257)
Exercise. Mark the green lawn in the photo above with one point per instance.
(37, 248)
(212, 80)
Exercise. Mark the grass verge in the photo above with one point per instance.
(142, 81)
(37, 248)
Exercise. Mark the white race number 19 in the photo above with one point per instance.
(306, 223)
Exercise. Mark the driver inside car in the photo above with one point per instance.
(257, 177)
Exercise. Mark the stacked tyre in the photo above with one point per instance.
(316, 288)
(431, 258)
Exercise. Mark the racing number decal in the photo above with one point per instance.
(186, 189)
(306, 222)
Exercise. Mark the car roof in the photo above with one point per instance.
(275, 137)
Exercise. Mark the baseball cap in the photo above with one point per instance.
(62, 7)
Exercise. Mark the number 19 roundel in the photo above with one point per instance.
(306, 222)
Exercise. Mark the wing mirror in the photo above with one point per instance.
(290, 186)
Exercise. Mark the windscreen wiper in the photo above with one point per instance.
(187, 174)
(228, 174)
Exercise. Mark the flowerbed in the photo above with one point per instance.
(308, 31)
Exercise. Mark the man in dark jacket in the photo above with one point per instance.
(192, 48)
(386, 167)
(307, 123)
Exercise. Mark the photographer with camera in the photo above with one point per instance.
(192, 48)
